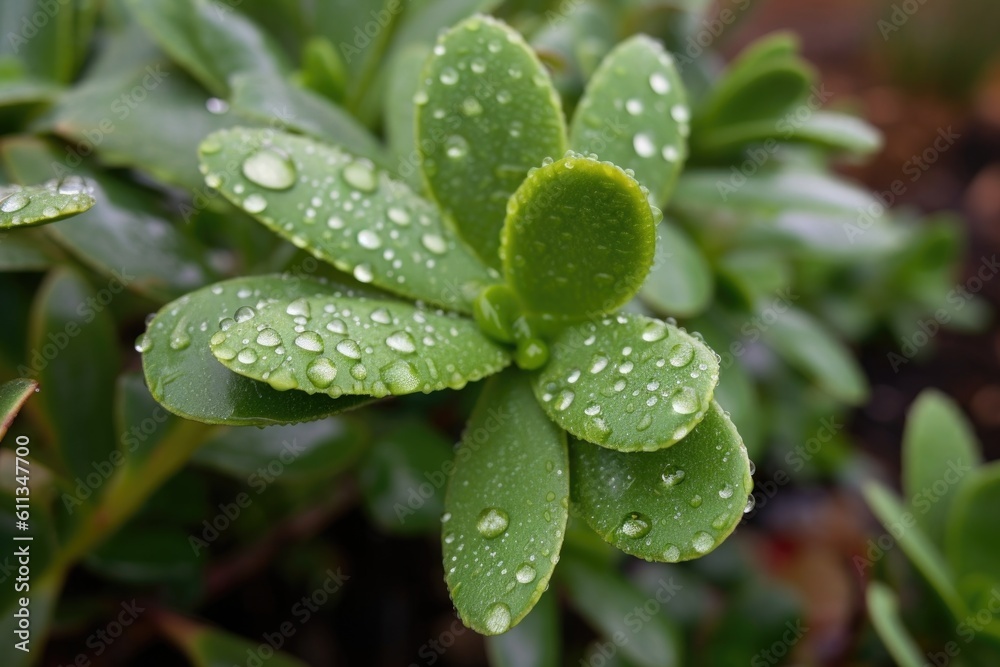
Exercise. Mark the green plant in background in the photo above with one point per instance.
(454, 263)
(946, 531)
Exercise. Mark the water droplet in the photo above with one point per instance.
(654, 331)
(360, 175)
(144, 343)
(247, 356)
(14, 202)
(456, 147)
(726, 492)
(672, 475)
(498, 618)
(434, 243)
(310, 341)
(634, 106)
(359, 372)
(269, 169)
(244, 313)
(643, 145)
(626, 368)
(645, 422)
(449, 76)
(525, 574)
(751, 503)
(349, 349)
(564, 400)
(363, 273)
(671, 554)
(703, 542)
(492, 522)
(635, 526)
(659, 83)
(684, 401)
(321, 372)
(255, 203)
(592, 410)
(335, 223)
(598, 364)
(670, 153)
(680, 113)
(179, 337)
(269, 338)
(753, 468)
(401, 342)
(369, 239)
(720, 521)
(504, 97)
(472, 107)
(681, 355)
(336, 326)
(696, 501)
(399, 216)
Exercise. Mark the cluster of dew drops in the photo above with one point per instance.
(15, 199)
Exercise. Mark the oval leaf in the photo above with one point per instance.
(578, 239)
(671, 505)
(341, 345)
(346, 212)
(681, 281)
(630, 383)
(506, 507)
(486, 113)
(184, 377)
(972, 539)
(635, 114)
(42, 204)
(938, 439)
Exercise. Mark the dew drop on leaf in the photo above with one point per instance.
(269, 338)
(255, 203)
(671, 554)
(684, 401)
(321, 372)
(360, 175)
(401, 342)
(310, 341)
(244, 313)
(681, 355)
(349, 349)
(400, 377)
(635, 526)
(492, 522)
(672, 475)
(269, 169)
(498, 618)
(525, 574)
(14, 202)
(247, 356)
(703, 542)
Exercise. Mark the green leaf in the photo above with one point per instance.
(42, 204)
(210, 39)
(579, 238)
(124, 236)
(613, 607)
(938, 444)
(402, 478)
(323, 71)
(209, 647)
(630, 383)
(279, 103)
(140, 421)
(506, 507)
(74, 351)
(401, 115)
(671, 505)
(971, 541)
(827, 130)
(807, 345)
(44, 37)
(304, 451)
(533, 643)
(336, 345)
(902, 525)
(345, 212)
(28, 251)
(13, 396)
(184, 377)
(635, 114)
(883, 608)
(486, 113)
(147, 554)
(681, 281)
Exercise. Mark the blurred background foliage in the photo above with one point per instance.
(830, 311)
